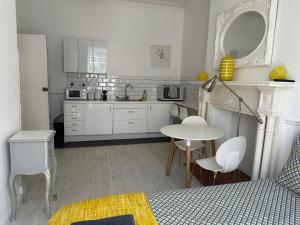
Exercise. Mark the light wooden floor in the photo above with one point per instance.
(97, 171)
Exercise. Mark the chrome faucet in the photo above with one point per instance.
(128, 85)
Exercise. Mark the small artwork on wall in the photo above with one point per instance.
(160, 56)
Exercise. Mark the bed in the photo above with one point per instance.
(269, 201)
(256, 202)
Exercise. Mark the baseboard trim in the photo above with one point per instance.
(113, 142)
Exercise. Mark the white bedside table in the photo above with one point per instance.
(32, 152)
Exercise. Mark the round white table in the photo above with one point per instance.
(189, 133)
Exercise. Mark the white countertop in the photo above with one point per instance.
(118, 102)
(32, 135)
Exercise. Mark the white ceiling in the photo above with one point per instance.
(176, 3)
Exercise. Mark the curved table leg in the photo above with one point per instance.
(13, 195)
(188, 164)
(53, 182)
(48, 182)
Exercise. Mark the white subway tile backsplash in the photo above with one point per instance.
(115, 85)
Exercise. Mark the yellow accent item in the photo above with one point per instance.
(202, 76)
(135, 204)
(226, 68)
(279, 72)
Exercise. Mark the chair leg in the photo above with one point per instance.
(179, 158)
(235, 176)
(215, 178)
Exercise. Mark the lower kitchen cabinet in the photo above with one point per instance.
(130, 126)
(83, 119)
(98, 119)
(158, 116)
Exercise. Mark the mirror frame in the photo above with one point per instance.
(262, 55)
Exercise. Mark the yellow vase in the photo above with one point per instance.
(279, 72)
(202, 76)
(227, 68)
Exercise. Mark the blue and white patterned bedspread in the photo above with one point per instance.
(257, 202)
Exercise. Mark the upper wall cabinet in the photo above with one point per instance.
(71, 55)
(85, 56)
(86, 62)
(100, 56)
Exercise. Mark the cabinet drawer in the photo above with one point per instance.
(130, 126)
(130, 114)
(73, 109)
(78, 117)
(72, 131)
(130, 106)
(74, 124)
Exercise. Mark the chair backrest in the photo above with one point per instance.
(174, 110)
(183, 113)
(230, 154)
(195, 120)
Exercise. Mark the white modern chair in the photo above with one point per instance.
(195, 145)
(174, 113)
(183, 113)
(228, 157)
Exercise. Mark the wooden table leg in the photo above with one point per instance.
(213, 147)
(170, 156)
(188, 166)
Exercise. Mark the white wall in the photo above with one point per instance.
(129, 28)
(9, 97)
(196, 16)
(286, 52)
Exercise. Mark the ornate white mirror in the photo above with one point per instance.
(246, 33)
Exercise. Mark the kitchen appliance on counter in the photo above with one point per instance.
(170, 92)
(76, 93)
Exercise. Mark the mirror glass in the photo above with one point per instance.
(244, 34)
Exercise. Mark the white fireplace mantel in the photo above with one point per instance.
(267, 98)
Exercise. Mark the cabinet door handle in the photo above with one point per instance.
(150, 107)
(130, 111)
(74, 124)
(130, 123)
(74, 130)
(74, 106)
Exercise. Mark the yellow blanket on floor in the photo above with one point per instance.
(135, 204)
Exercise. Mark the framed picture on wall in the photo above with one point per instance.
(160, 56)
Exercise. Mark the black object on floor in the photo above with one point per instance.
(118, 220)
(59, 128)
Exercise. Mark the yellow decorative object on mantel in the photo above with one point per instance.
(226, 68)
(279, 73)
(202, 76)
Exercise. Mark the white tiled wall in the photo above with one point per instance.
(115, 85)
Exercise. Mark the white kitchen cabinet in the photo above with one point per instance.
(70, 55)
(98, 119)
(130, 126)
(86, 61)
(100, 56)
(74, 119)
(158, 116)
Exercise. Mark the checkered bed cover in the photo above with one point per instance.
(256, 202)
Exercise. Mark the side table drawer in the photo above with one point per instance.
(28, 158)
